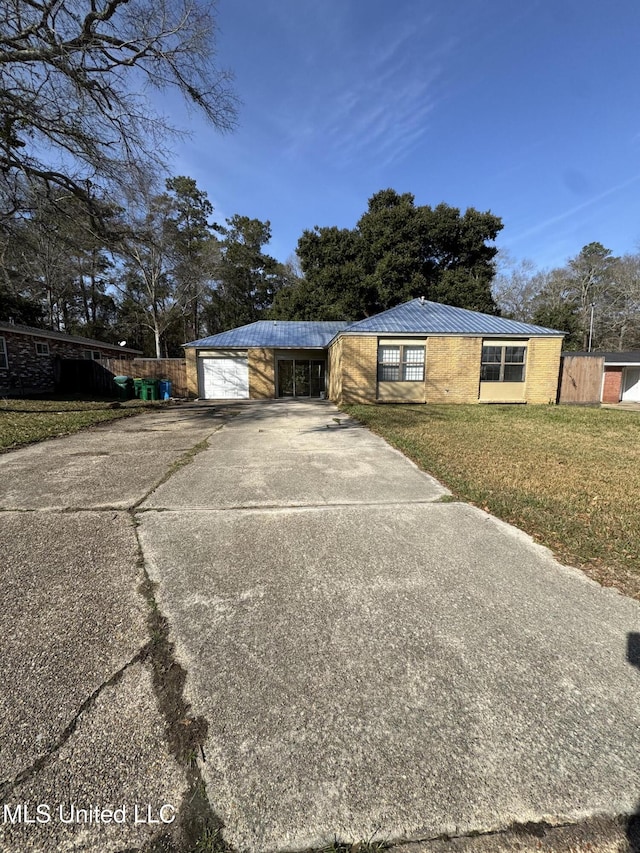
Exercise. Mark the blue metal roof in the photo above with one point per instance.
(416, 317)
(284, 334)
(432, 318)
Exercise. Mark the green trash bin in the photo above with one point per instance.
(149, 389)
(137, 388)
(124, 387)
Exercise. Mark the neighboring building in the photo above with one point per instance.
(30, 359)
(419, 352)
(600, 377)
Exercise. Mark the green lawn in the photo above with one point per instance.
(26, 421)
(569, 476)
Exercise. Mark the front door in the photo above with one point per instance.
(301, 377)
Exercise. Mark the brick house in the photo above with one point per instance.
(30, 359)
(417, 352)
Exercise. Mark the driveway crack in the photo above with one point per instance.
(8, 785)
(197, 823)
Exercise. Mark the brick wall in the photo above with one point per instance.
(29, 373)
(334, 371)
(359, 369)
(543, 370)
(453, 370)
(262, 374)
(612, 388)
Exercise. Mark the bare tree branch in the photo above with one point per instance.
(74, 76)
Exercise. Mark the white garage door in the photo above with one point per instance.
(224, 378)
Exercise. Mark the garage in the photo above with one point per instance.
(223, 378)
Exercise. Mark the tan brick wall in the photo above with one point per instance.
(262, 374)
(543, 370)
(334, 371)
(611, 389)
(192, 371)
(453, 370)
(359, 369)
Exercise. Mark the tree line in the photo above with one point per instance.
(594, 297)
(91, 244)
(159, 271)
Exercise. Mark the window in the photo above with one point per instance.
(93, 355)
(400, 363)
(502, 363)
(42, 348)
(4, 360)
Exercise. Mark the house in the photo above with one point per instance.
(600, 377)
(31, 359)
(418, 352)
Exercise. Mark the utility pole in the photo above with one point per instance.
(593, 305)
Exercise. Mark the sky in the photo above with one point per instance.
(527, 109)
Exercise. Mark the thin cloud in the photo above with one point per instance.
(554, 220)
(374, 104)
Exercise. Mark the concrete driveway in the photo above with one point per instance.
(354, 655)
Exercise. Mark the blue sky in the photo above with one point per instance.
(527, 109)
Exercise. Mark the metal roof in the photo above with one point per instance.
(280, 334)
(419, 316)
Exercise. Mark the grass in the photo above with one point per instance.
(568, 476)
(26, 421)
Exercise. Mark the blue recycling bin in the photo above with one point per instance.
(164, 386)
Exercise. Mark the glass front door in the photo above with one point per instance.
(301, 377)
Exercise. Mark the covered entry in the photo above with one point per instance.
(300, 375)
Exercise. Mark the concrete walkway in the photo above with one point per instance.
(356, 656)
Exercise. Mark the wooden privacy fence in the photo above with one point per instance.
(83, 376)
(581, 379)
(173, 369)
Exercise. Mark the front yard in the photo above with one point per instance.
(568, 476)
(26, 421)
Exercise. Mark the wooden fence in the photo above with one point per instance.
(173, 369)
(581, 378)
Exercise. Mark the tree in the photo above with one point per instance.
(247, 279)
(397, 251)
(149, 291)
(53, 257)
(566, 295)
(515, 287)
(72, 77)
(195, 248)
(618, 316)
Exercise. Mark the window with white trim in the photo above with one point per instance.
(4, 358)
(42, 348)
(400, 363)
(502, 363)
(93, 355)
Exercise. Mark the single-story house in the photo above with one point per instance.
(418, 352)
(30, 358)
(600, 377)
